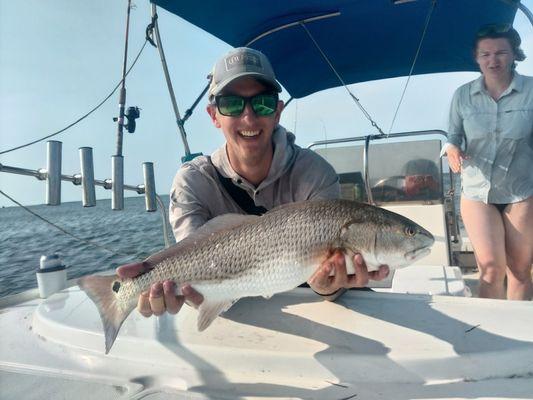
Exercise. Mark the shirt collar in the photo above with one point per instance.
(517, 84)
(477, 86)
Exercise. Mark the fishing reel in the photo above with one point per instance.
(132, 113)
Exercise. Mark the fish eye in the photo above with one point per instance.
(410, 231)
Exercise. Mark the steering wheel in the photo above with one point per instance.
(389, 189)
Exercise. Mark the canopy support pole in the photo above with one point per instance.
(291, 24)
(526, 12)
(159, 46)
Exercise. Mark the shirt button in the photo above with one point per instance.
(239, 181)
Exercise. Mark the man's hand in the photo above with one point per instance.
(161, 296)
(324, 284)
(455, 157)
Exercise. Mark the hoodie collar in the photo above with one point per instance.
(284, 155)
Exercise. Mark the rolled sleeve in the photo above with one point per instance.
(456, 131)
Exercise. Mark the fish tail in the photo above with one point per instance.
(102, 290)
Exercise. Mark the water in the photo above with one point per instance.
(25, 238)
(132, 231)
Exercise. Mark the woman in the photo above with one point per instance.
(492, 119)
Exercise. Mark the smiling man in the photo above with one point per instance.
(259, 159)
(258, 168)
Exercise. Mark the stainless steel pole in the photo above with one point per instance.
(169, 82)
(75, 179)
(53, 177)
(87, 177)
(117, 196)
(117, 171)
(366, 150)
(149, 186)
(526, 12)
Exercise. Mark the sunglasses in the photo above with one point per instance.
(493, 29)
(262, 104)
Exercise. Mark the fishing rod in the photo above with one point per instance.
(117, 197)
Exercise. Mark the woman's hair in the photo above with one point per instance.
(505, 31)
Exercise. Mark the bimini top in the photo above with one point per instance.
(363, 39)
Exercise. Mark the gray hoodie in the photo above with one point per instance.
(295, 174)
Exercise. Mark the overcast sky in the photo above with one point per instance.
(59, 58)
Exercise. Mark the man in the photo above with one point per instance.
(257, 169)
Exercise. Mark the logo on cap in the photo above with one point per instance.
(243, 59)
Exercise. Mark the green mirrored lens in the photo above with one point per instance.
(233, 106)
(264, 104)
(230, 105)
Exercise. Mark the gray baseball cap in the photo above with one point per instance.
(239, 62)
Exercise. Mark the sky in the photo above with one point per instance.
(60, 58)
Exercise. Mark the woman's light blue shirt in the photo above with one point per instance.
(497, 136)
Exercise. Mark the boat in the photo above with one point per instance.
(419, 336)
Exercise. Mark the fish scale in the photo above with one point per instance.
(231, 257)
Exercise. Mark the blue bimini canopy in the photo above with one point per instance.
(363, 40)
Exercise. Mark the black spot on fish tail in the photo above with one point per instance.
(116, 286)
(102, 290)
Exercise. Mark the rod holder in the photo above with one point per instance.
(117, 195)
(87, 177)
(149, 186)
(53, 176)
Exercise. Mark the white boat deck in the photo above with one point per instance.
(365, 346)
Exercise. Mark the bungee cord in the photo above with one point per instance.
(428, 19)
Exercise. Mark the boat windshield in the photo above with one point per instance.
(406, 171)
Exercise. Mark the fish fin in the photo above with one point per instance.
(223, 222)
(217, 224)
(100, 290)
(210, 310)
